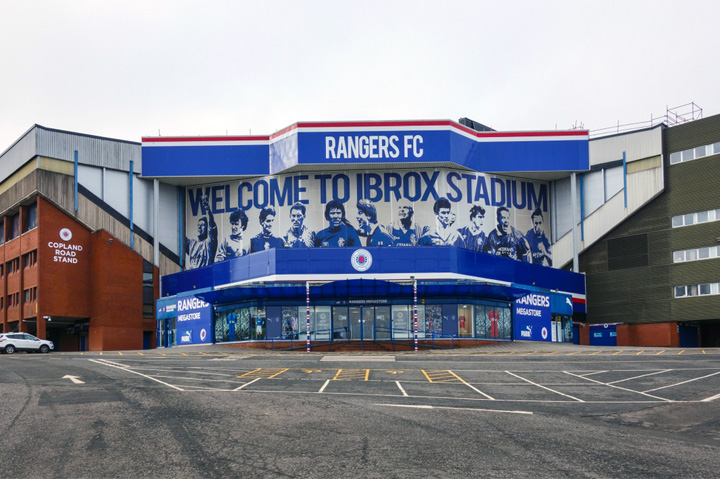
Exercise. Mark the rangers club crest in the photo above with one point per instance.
(361, 260)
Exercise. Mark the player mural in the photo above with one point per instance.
(426, 207)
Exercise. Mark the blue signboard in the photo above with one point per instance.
(395, 142)
(532, 318)
(194, 321)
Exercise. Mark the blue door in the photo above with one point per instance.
(603, 335)
(688, 336)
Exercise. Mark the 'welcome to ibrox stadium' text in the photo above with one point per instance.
(376, 187)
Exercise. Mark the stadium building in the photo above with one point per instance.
(427, 233)
(421, 233)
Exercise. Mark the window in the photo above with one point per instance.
(694, 153)
(703, 289)
(695, 254)
(30, 217)
(695, 218)
(30, 259)
(148, 291)
(14, 226)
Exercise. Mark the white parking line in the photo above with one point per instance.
(420, 406)
(472, 387)
(717, 396)
(684, 382)
(401, 388)
(618, 387)
(641, 376)
(546, 388)
(324, 386)
(246, 384)
(124, 368)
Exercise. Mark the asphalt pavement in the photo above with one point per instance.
(506, 410)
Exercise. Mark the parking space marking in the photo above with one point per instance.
(246, 384)
(422, 406)
(109, 364)
(546, 388)
(712, 398)
(352, 375)
(594, 372)
(619, 387)
(324, 386)
(440, 376)
(638, 377)
(683, 382)
(263, 373)
(401, 388)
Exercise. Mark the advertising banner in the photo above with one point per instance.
(404, 208)
(194, 321)
(533, 318)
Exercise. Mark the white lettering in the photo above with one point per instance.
(191, 303)
(372, 146)
(329, 147)
(540, 300)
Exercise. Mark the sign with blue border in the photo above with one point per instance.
(533, 318)
(194, 321)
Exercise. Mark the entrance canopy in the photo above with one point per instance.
(362, 288)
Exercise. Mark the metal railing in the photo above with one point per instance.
(295, 338)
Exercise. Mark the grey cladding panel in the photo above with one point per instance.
(627, 252)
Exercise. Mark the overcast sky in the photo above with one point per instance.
(138, 68)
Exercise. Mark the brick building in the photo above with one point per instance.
(77, 263)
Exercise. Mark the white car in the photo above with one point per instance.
(11, 342)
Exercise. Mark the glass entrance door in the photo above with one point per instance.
(362, 322)
(368, 315)
(355, 319)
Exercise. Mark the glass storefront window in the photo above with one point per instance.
(465, 320)
(257, 322)
(493, 322)
(382, 322)
(401, 321)
(433, 320)
(290, 326)
(320, 321)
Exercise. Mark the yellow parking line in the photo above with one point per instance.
(703, 351)
(638, 354)
(593, 354)
(681, 351)
(660, 352)
(251, 373)
(615, 354)
(441, 376)
(278, 373)
(367, 374)
(572, 354)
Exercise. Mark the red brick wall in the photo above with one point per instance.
(105, 285)
(663, 335)
(64, 288)
(116, 274)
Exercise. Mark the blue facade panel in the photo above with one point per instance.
(369, 143)
(320, 262)
(206, 160)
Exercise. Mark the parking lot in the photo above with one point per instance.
(513, 410)
(507, 376)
